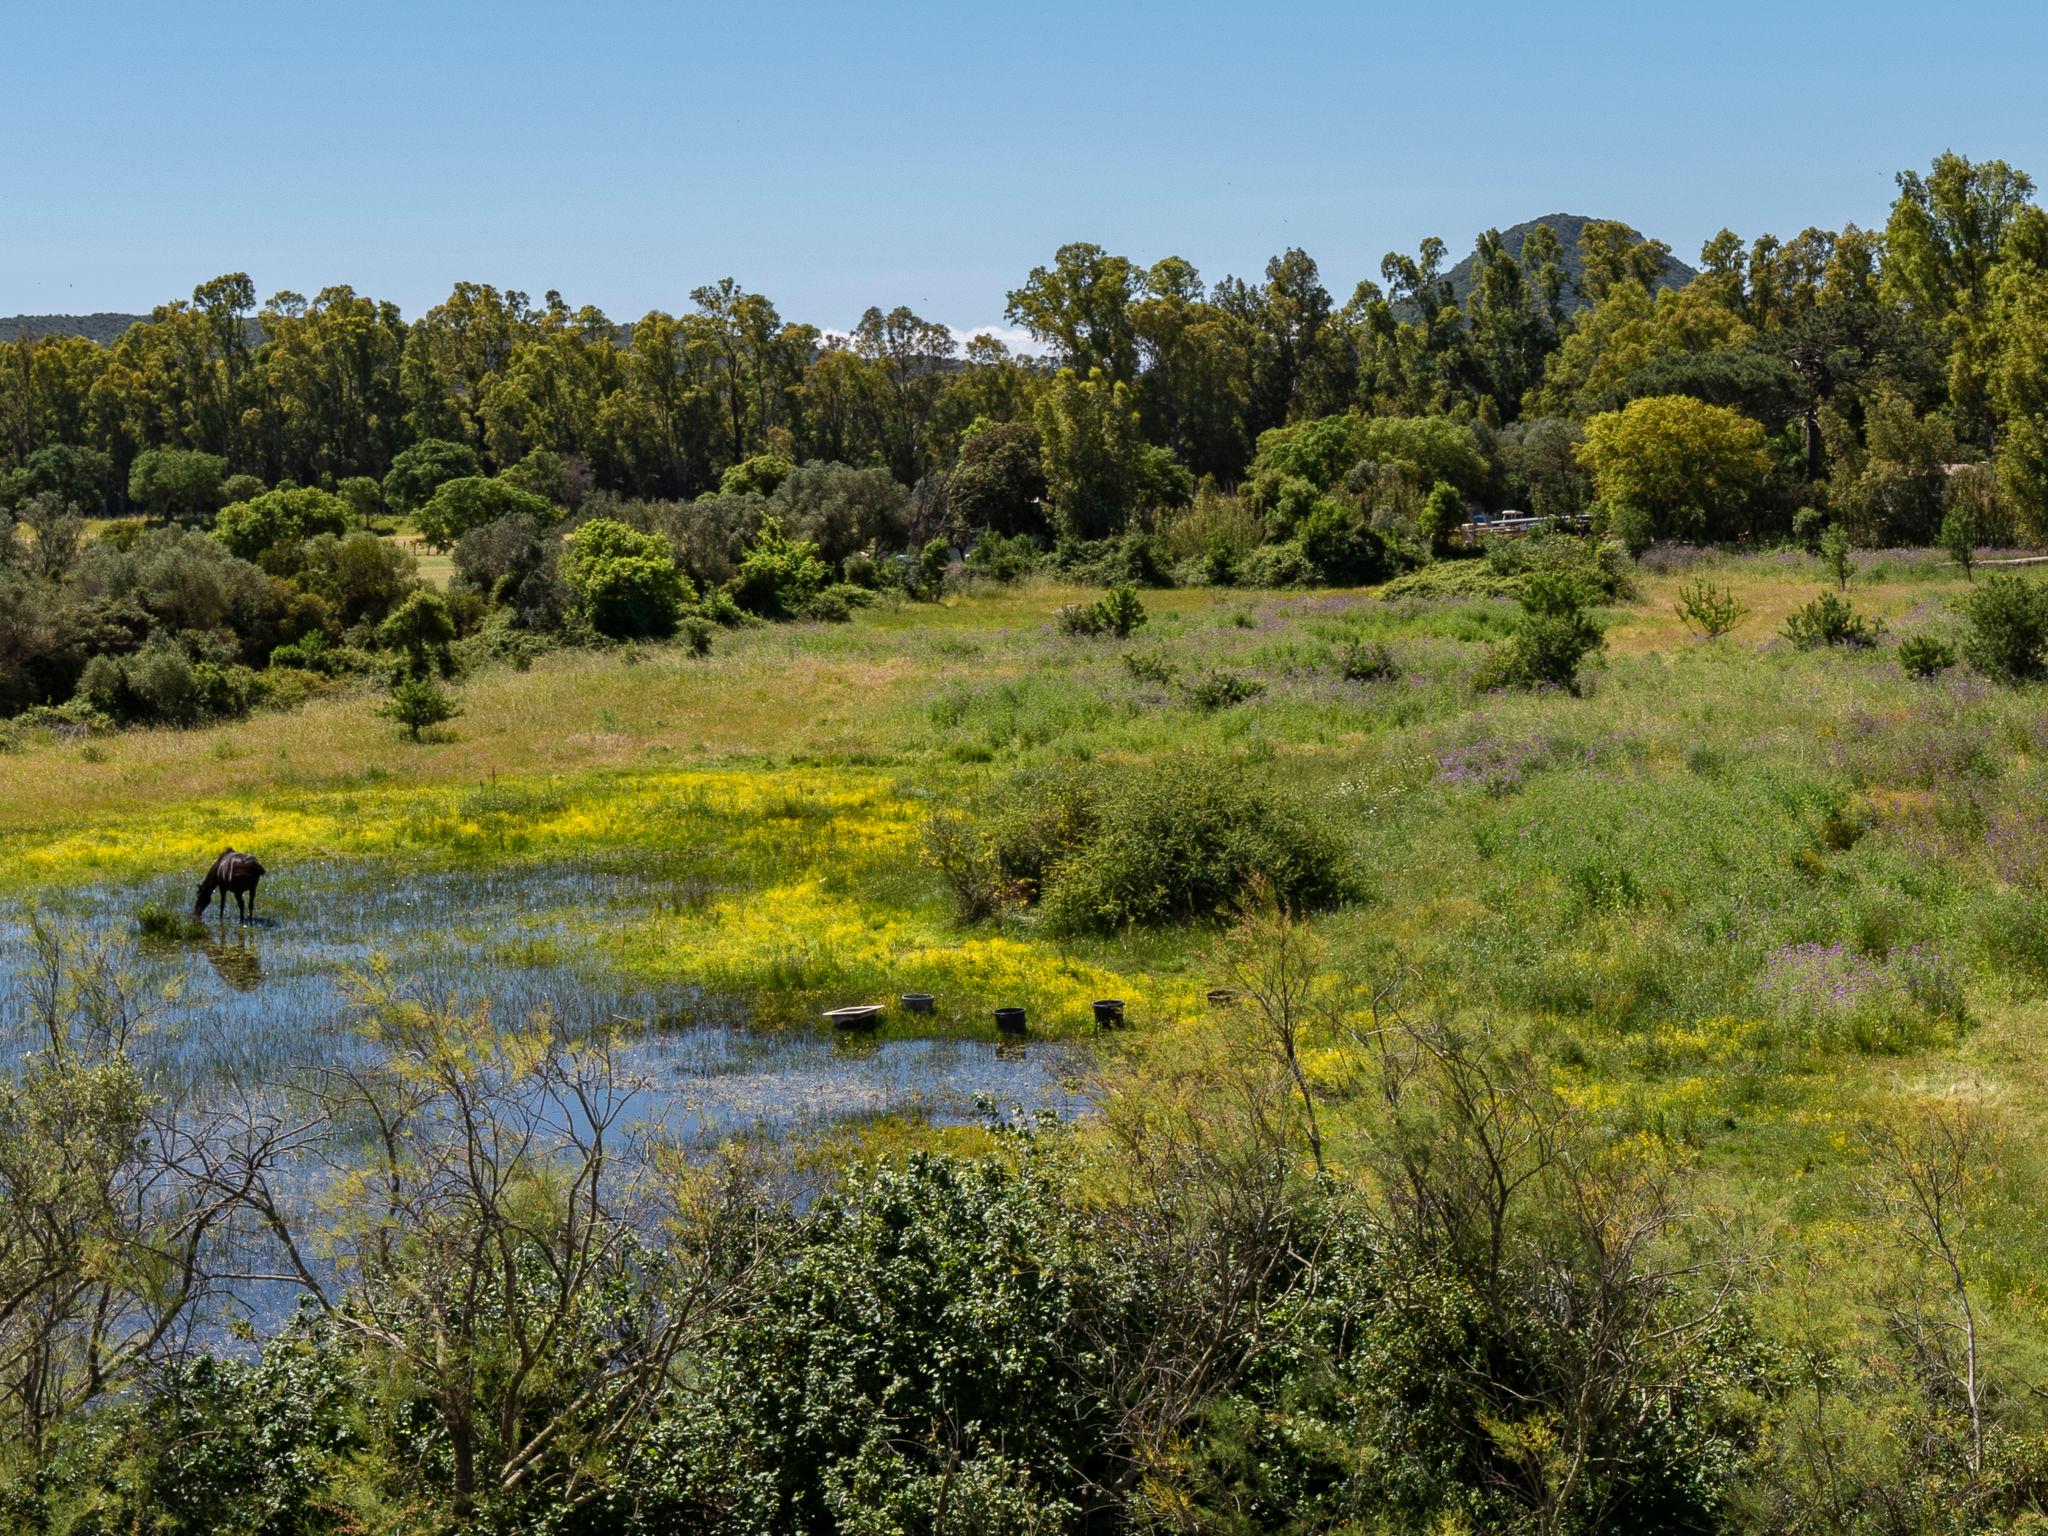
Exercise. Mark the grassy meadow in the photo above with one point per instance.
(1749, 904)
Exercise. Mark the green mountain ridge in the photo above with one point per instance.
(1567, 227)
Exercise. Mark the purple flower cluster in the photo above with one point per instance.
(1819, 978)
(1497, 764)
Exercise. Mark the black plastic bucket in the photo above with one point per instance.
(1109, 1013)
(1010, 1020)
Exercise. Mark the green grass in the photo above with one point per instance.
(1744, 897)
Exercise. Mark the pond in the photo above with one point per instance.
(252, 1003)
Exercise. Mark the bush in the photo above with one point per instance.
(761, 475)
(1809, 526)
(777, 575)
(1180, 840)
(1924, 656)
(835, 604)
(1002, 559)
(2008, 634)
(1551, 639)
(1366, 661)
(1341, 549)
(697, 632)
(1119, 612)
(1709, 609)
(1272, 567)
(1830, 620)
(625, 581)
(1217, 688)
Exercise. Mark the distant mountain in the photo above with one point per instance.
(1566, 226)
(102, 328)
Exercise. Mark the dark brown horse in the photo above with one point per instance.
(231, 872)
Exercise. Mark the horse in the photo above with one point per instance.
(232, 871)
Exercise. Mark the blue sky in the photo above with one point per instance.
(838, 156)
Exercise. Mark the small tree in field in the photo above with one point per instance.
(418, 704)
(1836, 557)
(1959, 538)
(1711, 610)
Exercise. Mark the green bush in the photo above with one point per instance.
(419, 471)
(626, 582)
(835, 604)
(777, 575)
(1340, 549)
(1176, 840)
(1710, 610)
(1925, 656)
(1119, 612)
(253, 528)
(1215, 688)
(1550, 641)
(697, 632)
(1366, 661)
(2008, 633)
(1830, 620)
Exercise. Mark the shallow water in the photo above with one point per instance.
(254, 1003)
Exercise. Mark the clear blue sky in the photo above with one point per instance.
(836, 156)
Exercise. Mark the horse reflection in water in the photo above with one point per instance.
(235, 962)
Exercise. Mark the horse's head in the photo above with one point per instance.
(205, 894)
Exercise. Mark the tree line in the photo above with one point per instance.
(1939, 313)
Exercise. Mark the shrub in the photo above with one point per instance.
(625, 581)
(1121, 611)
(930, 576)
(1001, 559)
(1709, 609)
(1150, 667)
(1366, 661)
(1274, 566)
(1118, 612)
(1925, 656)
(420, 630)
(697, 632)
(1830, 620)
(167, 924)
(418, 704)
(2008, 634)
(835, 604)
(1809, 524)
(777, 575)
(1443, 514)
(1551, 639)
(1181, 840)
(1217, 688)
(1340, 548)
